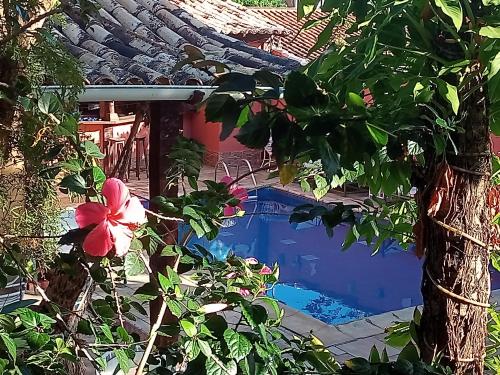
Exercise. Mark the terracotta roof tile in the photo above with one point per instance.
(298, 43)
(141, 41)
(230, 18)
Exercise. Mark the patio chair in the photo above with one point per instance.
(267, 154)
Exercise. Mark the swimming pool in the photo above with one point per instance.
(316, 276)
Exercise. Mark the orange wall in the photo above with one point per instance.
(196, 127)
(495, 143)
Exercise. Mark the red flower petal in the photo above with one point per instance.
(117, 195)
(99, 241)
(90, 213)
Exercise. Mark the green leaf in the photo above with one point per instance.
(123, 360)
(244, 115)
(10, 345)
(378, 134)
(92, 150)
(305, 186)
(453, 9)
(355, 100)
(267, 78)
(98, 273)
(305, 7)
(256, 132)
(3, 364)
(84, 327)
(385, 357)
(174, 307)
(67, 127)
(374, 355)
(74, 183)
(271, 302)
(329, 159)
(301, 91)
(165, 283)
(37, 339)
(239, 346)
(191, 212)
(73, 165)
(494, 68)
(322, 186)
(139, 308)
(358, 365)
(98, 176)
(287, 174)
(107, 333)
(214, 366)
(450, 93)
(192, 349)
(188, 327)
(173, 276)
(398, 335)
(325, 36)
(205, 348)
(490, 31)
(409, 353)
(103, 309)
(198, 229)
(171, 250)
(48, 103)
(133, 265)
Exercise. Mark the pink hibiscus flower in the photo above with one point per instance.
(251, 261)
(244, 292)
(114, 222)
(236, 191)
(266, 271)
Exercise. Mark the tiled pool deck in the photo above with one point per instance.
(354, 339)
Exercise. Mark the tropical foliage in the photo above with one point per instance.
(407, 102)
(401, 104)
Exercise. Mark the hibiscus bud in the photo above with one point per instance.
(231, 275)
(244, 292)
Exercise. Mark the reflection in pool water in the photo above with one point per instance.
(317, 277)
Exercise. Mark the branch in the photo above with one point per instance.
(152, 337)
(28, 24)
(115, 296)
(46, 299)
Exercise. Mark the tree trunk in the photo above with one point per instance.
(8, 77)
(165, 128)
(456, 231)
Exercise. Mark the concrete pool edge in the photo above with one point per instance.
(353, 339)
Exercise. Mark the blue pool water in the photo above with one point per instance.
(316, 276)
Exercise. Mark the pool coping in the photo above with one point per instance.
(353, 339)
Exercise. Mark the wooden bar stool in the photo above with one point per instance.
(114, 150)
(140, 148)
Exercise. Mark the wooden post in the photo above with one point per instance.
(165, 127)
